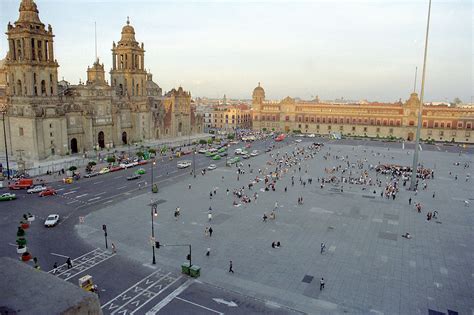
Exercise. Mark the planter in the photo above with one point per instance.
(26, 256)
(21, 241)
(21, 250)
(25, 226)
(20, 232)
(31, 218)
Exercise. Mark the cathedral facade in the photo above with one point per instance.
(45, 117)
(374, 120)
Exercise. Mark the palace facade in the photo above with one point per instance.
(45, 117)
(398, 120)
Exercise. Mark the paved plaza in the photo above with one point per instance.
(368, 267)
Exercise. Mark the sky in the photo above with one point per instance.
(356, 49)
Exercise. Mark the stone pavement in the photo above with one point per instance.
(367, 266)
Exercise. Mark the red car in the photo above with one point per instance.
(48, 192)
(115, 168)
(142, 162)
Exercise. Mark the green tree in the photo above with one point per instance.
(110, 159)
(209, 141)
(152, 151)
(230, 136)
(202, 141)
(72, 168)
(140, 154)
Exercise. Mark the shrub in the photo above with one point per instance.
(140, 154)
(209, 141)
(264, 129)
(91, 163)
(72, 168)
(230, 136)
(111, 159)
(152, 151)
(202, 141)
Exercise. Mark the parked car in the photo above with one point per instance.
(212, 167)
(142, 162)
(126, 164)
(105, 170)
(36, 189)
(91, 174)
(216, 157)
(51, 220)
(48, 192)
(7, 196)
(134, 176)
(184, 164)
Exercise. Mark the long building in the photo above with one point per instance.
(384, 120)
(44, 117)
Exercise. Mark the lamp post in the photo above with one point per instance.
(194, 163)
(3, 109)
(152, 178)
(420, 110)
(154, 213)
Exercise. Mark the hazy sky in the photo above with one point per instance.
(355, 49)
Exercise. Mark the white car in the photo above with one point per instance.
(202, 151)
(238, 151)
(51, 220)
(212, 150)
(298, 140)
(212, 167)
(36, 189)
(312, 135)
(254, 153)
(184, 164)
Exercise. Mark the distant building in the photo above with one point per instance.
(45, 117)
(231, 117)
(440, 123)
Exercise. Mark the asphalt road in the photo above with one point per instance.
(114, 274)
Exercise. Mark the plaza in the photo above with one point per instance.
(367, 266)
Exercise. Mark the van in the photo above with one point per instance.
(24, 183)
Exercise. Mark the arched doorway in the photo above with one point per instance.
(124, 137)
(410, 136)
(74, 146)
(101, 140)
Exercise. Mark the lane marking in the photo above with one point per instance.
(122, 187)
(108, 201)
(133, 286)
(101, 193)
(98, 182)
(71, 202)
(421, 149)
(70, 192)
(92, 199)
(80, 196)
(156, 294)
(199, 305)
(117, 177)
(59, 189)
(59, 255)
(92, 251)
(169, 298)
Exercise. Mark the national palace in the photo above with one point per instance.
(44, 117)
(384, 120)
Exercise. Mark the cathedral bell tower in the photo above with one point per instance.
(128, 74)
(31, 67)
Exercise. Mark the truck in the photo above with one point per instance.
(24, 183)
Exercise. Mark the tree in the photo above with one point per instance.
(140, 154)
(91, 163)
(110, 159)
(72, 168)
(209, 141)
(230, 136)
(456, 101)
(202, 141)
(152, 151)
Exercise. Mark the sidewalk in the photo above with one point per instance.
(57, 163)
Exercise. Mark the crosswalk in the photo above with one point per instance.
(81, 264)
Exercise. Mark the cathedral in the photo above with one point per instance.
(45, 117)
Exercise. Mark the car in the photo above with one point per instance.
(202, 151)
(134, 176)
(48, 192)
(245, 156)
(51, 220)
(115, 168)
(142, 162)
(298, 140)
(221, 150)
(244, 152)
(91, 174)
(234, 142)
(7, 196)
(254, 153)
(268, 150)
(216, 157)
(126, 164)
(238, 151)
(36, 189)
(209, 153)
(222, 154)
(184, 164)
(105, 170)
(140, 171)
(311, 135)
(212, 150)
(212, 167)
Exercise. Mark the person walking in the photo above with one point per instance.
(208, 252)
(230, 267)
(321, 284)
(209, 216)
(69, 263)
(323, 247)
(409, 201)
(55, 268)
(114, 249)
(210, 231)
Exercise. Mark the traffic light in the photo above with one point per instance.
(157, 244)
(104, 227)
(188, 257)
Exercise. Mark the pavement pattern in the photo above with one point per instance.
(367, 266)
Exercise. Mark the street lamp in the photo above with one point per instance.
(152, 167)
(3, 109)
(154, 213)
(194, 163)
(414, 170)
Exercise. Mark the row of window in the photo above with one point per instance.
(39, 49)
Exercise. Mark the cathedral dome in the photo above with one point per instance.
(128, 32)
(259, 88)
(28, 12)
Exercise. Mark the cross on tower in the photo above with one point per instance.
(128, 20)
